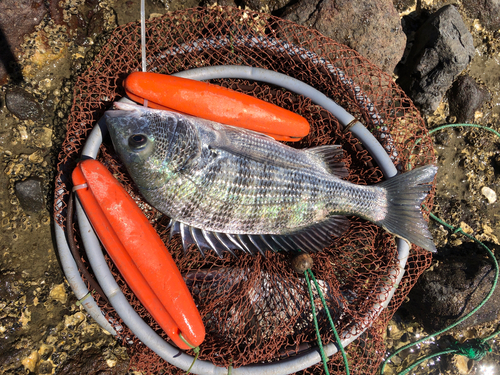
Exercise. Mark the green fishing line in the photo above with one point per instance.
(308, 273)
(196, 350)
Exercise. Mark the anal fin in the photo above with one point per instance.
(312, 238)
(316, 237)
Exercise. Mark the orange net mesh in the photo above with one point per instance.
(257, 309)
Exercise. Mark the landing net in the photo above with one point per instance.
(257, 309)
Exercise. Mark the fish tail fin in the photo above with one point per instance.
(405, 194)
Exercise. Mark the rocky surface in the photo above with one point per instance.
(465, 97)
(373, 28)
(42, 329)
(22, 104)
(30, 194)
(17, 18)
(487, 11)
(451, 289)
(442, 49)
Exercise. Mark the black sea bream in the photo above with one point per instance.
(229, 188)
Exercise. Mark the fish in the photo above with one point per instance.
(231, 189)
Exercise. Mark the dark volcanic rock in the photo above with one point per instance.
(23, 104)
(451, 290)
(373, 28)
(442, 49)
(465, 97)
(30, 194)
(17, 18)
(487, 11)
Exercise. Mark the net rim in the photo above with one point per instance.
(183, 361)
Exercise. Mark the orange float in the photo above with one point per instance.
(215, 103)
(138, 252)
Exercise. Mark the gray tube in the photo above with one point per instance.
(146, 334)
(75, 281)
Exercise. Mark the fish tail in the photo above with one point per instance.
(405, 194)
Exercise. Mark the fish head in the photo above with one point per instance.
(153, 144)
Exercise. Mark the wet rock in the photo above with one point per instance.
(442, 49)
(11, 360)
(17, 18)
(465, 97)
(373, 28)
(23, 104)
(126, 10)
(496, 162)
(259, 5)
(230, 3)
(45, 367)
(8, 289)
(56, 11)
(402, 5)
(451, 289)
(487, 11)
(96, 24)
(78, 26)
(92, 362)
(30, 194)
(443, 137)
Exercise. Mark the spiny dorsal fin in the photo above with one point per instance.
(330, 156)
(236, 141)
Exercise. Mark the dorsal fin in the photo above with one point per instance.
(331, 158)
(236, 141)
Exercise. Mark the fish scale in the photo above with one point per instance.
(288, 200)
(222, 185)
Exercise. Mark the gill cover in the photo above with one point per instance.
(153, 144)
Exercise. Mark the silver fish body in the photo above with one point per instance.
(228, 188)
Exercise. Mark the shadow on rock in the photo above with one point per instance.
(10, 66)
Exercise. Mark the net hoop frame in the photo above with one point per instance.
(145, 333)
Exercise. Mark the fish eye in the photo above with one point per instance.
(137, 141)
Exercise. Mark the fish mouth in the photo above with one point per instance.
(120, 109)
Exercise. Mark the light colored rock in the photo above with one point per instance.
(466, 228)
(58, 293)
(461, 364)
(74, 320)
(30, 362)
(489, 194)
